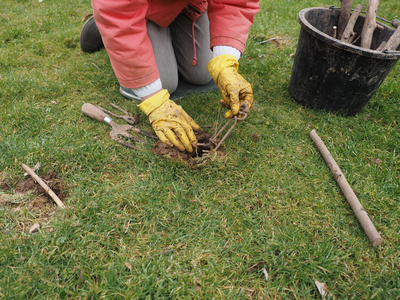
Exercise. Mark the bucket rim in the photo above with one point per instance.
(395, 55)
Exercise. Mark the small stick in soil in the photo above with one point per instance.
(46, 188)
(345, 10)
(369, 24)
(204, 144)
(356, 206)
(348, 31)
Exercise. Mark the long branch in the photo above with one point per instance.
(351, 197)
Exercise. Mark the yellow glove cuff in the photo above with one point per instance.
(220, 62)
(150, 104)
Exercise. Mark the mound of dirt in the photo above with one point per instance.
(203, 138)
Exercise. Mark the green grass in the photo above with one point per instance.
(140, 227)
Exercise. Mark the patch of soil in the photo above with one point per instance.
(162, 149)
(29, 185)
(28, 203)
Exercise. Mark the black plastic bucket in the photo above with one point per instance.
(336, 76)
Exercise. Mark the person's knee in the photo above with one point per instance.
(170, 83)
(197, 77)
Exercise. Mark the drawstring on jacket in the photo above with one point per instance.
(193, 14)
(194, 47)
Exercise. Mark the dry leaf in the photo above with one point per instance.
(266, 274)
(34, 228)
(128, 265)
(255, 137)
(322, 289)
(376, 161)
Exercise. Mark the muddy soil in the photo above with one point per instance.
(41, 199)
(30, 208)
(192, 159)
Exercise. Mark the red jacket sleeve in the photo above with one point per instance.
(122, 25)
(230, 22)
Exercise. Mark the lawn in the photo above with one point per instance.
(140, 226)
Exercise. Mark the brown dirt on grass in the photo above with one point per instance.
(40, 197)
(27, 204)
(163, 150)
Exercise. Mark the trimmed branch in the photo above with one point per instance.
(348, 31)
(394, 40)
(369, 24)
(345, 11)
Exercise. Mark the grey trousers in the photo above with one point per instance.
(173, 49)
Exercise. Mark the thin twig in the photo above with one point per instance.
(274, 39)
(169, 250)
(96, 66)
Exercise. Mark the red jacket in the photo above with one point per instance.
(122, 24)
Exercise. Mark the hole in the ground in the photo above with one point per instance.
(204, 145)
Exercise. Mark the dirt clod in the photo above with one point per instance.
(255, 137)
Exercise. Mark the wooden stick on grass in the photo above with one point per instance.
(46, 188)
(369, 24)
(356, 206)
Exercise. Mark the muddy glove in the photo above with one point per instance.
(170, 122)
(236, 91)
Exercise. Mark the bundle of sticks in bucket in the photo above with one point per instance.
(347, 20)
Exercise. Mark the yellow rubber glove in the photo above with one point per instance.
(236, 91)
(170, 122)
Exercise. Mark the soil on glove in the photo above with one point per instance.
(163, 150)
